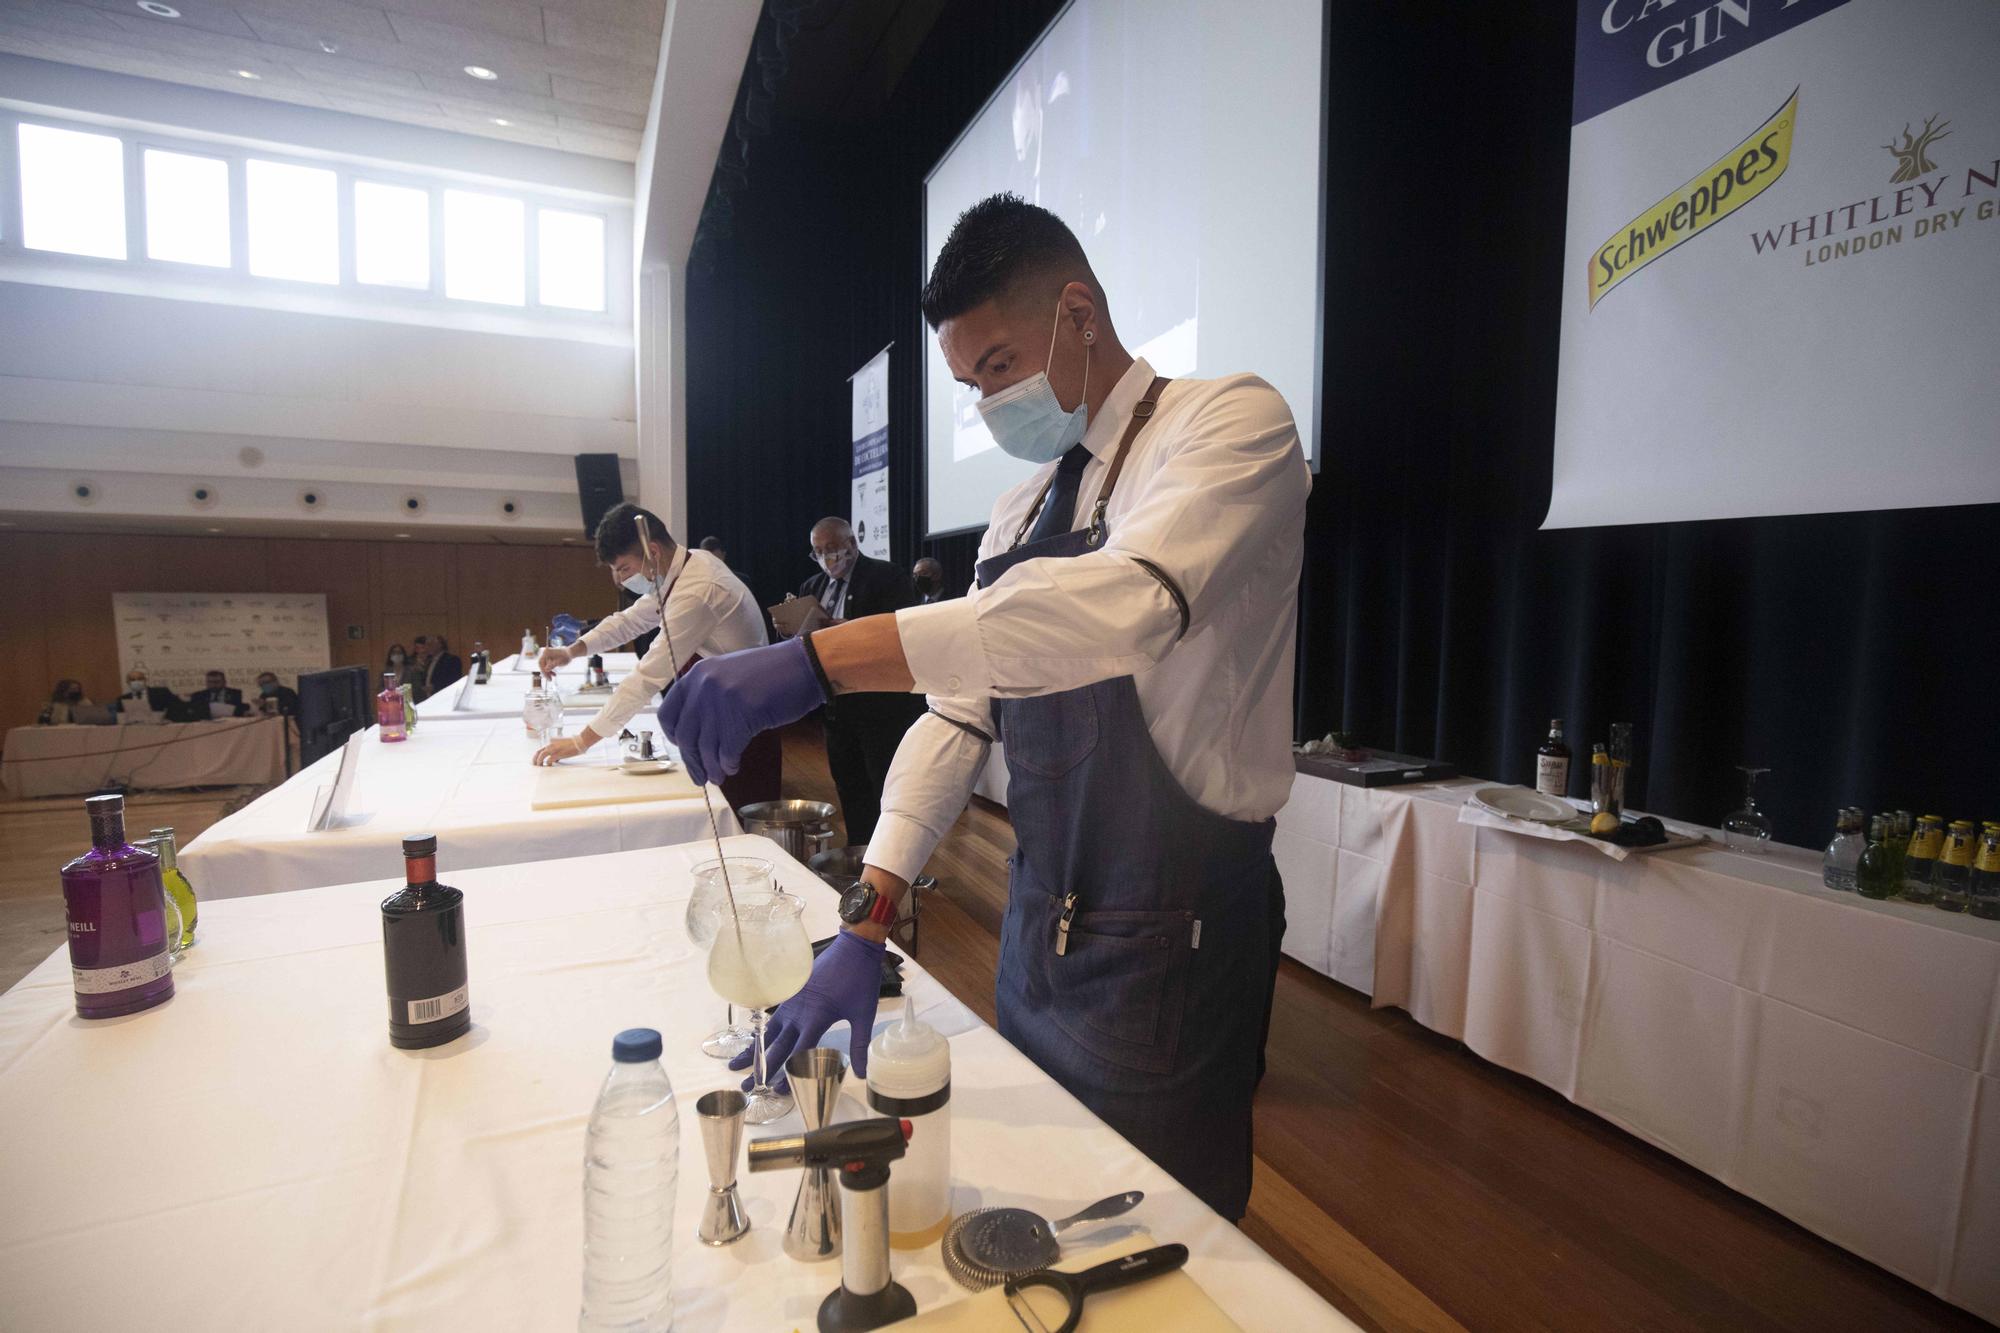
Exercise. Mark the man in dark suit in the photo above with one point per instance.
(444, 667)
(928, 576)
(274, 697)
(142, 699)
(202, 704)
(862, 730)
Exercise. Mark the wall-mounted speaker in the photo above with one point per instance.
(598, 488)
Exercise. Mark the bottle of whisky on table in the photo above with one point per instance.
(119, 962)
(423, 953)
(389, 710)
(1552, 763)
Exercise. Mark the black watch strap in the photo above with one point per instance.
(812, 656)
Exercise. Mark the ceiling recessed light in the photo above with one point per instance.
(248, 74)
(481, 72)
(158, 10)
(502, 120)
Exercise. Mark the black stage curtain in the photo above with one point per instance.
(1854, 654)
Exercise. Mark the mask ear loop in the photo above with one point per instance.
(1056, 328)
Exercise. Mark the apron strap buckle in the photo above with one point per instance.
(1062, 925)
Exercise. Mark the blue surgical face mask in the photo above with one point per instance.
(638, 585)
(1027, 421)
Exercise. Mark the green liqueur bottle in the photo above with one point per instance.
(175, 881)
(1877, 869)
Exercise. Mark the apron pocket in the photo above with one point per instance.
(1120, 990)
(1052, 733)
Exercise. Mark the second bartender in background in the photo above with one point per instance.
(709, 612)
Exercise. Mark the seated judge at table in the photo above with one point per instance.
(709, 613)
(64, 700)
(1130, 641)
(273, 697)
(927, 577)
(217, 699)
(862, 730)
(142, 701)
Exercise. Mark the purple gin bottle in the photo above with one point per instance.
(117, 920)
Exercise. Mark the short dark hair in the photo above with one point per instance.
(618, 531)
(711, 544)
(996, 246)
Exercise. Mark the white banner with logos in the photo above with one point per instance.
(179, 637)
(1782, 268)
(871, 455)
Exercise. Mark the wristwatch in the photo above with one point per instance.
(863, 903)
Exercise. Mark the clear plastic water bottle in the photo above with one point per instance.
(630, 1167)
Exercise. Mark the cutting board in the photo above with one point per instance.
(569, 785)
(1175, 1302)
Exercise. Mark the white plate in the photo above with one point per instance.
(655, 766)
(1521, 803)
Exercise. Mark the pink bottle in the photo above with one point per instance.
(389, 709)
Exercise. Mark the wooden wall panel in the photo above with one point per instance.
(55, 619)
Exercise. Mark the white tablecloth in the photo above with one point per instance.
(468, 782)
(255, 1155)
(49, 761)
(1834, 1058)
(507, 690)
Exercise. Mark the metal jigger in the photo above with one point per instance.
(721, 1116)
(814, 1231)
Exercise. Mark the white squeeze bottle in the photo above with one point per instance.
(909, 1077)
(629, 1173)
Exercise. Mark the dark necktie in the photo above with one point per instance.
(831, 601)
(1059, 510)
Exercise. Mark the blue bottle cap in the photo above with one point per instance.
(635, 1046)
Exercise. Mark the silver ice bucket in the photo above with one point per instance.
(803, 828)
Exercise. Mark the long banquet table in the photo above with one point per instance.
(470, 782)
(50, 761)
(1835, 1058)
(506, 689)
(253, 1154)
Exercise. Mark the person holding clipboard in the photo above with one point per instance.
(862, 730)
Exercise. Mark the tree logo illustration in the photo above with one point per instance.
(1913, 155)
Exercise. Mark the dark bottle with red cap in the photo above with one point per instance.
(423, 953)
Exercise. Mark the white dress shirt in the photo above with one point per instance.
(1213, 493)
(709, 612)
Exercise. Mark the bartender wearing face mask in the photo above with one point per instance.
(1130, 640)
(709, 612)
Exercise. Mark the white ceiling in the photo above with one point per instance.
(574, 75)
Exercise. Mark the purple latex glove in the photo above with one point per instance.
(846, 980)
(719, 707)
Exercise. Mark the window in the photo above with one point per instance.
(392, 235)
(571, 250)
(187, 208)
(294, 222)
(485, 248)
(72, 192)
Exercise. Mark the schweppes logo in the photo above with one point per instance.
(1737, 177)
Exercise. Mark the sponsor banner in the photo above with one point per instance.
(1783, 266)
(870, 514)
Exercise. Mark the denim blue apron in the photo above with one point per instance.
(1135, 955)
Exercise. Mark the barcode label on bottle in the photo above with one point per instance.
(105, 980)
(438, 1006)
